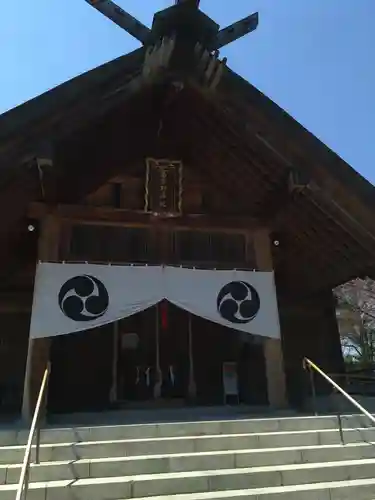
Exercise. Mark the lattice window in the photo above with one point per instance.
(214, 248)
(110, 244)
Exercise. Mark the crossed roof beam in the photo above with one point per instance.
(142, 33)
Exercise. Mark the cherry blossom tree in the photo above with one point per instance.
(356, 318)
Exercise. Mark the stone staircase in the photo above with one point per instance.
(257, 459)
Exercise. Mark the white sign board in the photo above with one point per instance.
(230, 379)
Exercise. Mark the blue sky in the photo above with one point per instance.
(313, 57)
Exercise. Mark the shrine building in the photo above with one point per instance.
(169, 235)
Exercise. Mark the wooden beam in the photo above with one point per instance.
(81, 214)
(122, 18)
(237, 30)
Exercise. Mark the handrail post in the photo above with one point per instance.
(37, 444)
(341, 432)
(308, 368)
(26, 482)
(38, 424)
(313, 392)
(339, 415)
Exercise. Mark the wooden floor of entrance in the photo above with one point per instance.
(160, 357)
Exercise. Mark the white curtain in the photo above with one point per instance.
(70, 298)
(74, 297)
(242, 300)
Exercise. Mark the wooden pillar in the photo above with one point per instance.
(39, 349)
(273, 350)
(310, 330)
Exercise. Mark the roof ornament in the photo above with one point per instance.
(158, 56)
(218, 38)
(209, 65)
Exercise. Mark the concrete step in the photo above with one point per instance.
(176, 429)
(151, 414)
(258, 478)
(187, 462)
(191, 444)
(341, 490)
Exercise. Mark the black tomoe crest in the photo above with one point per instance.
(83, 298)
(238, 302)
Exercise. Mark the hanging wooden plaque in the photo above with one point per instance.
(163, 187)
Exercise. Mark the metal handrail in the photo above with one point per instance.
(23, 484)
(312, 367)
(355, 383)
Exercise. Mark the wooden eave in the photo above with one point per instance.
(28, 129)
(261, 118)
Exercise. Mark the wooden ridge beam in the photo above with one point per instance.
(80, 214)
(194, 3)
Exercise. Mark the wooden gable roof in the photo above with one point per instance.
(319, 208)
